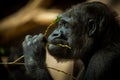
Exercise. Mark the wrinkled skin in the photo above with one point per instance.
(92, 32)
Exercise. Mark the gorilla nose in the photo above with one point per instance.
(57, 33)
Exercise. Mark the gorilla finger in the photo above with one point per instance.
(34, 37)
(26, 44)
(42, 38)
(27, 38)
(23, 44)
(36, 40)
(39, 37)
(29, 43)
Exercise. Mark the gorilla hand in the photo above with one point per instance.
(34, 52)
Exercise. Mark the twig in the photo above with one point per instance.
(12, 63)
(64, 46)
(62, 72)
(55, 21)
(18, 59)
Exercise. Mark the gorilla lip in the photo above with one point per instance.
(60, 42)
(60, 45)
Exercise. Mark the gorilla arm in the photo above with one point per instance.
(35, 55)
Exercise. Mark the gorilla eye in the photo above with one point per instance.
(63, 24)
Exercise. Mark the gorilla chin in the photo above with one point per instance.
(59, 52)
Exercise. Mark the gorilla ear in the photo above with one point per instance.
(91, 27)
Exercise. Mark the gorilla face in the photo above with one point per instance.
(62, 35)
(69, 32)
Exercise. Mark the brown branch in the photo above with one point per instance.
(16, 63)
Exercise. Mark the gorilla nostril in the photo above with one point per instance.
(55, 34)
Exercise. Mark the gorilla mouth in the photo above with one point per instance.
(60, 43)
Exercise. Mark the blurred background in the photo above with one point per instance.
(19, 18)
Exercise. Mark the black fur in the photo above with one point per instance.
(92, 31)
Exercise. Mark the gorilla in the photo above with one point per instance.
(92, 31)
